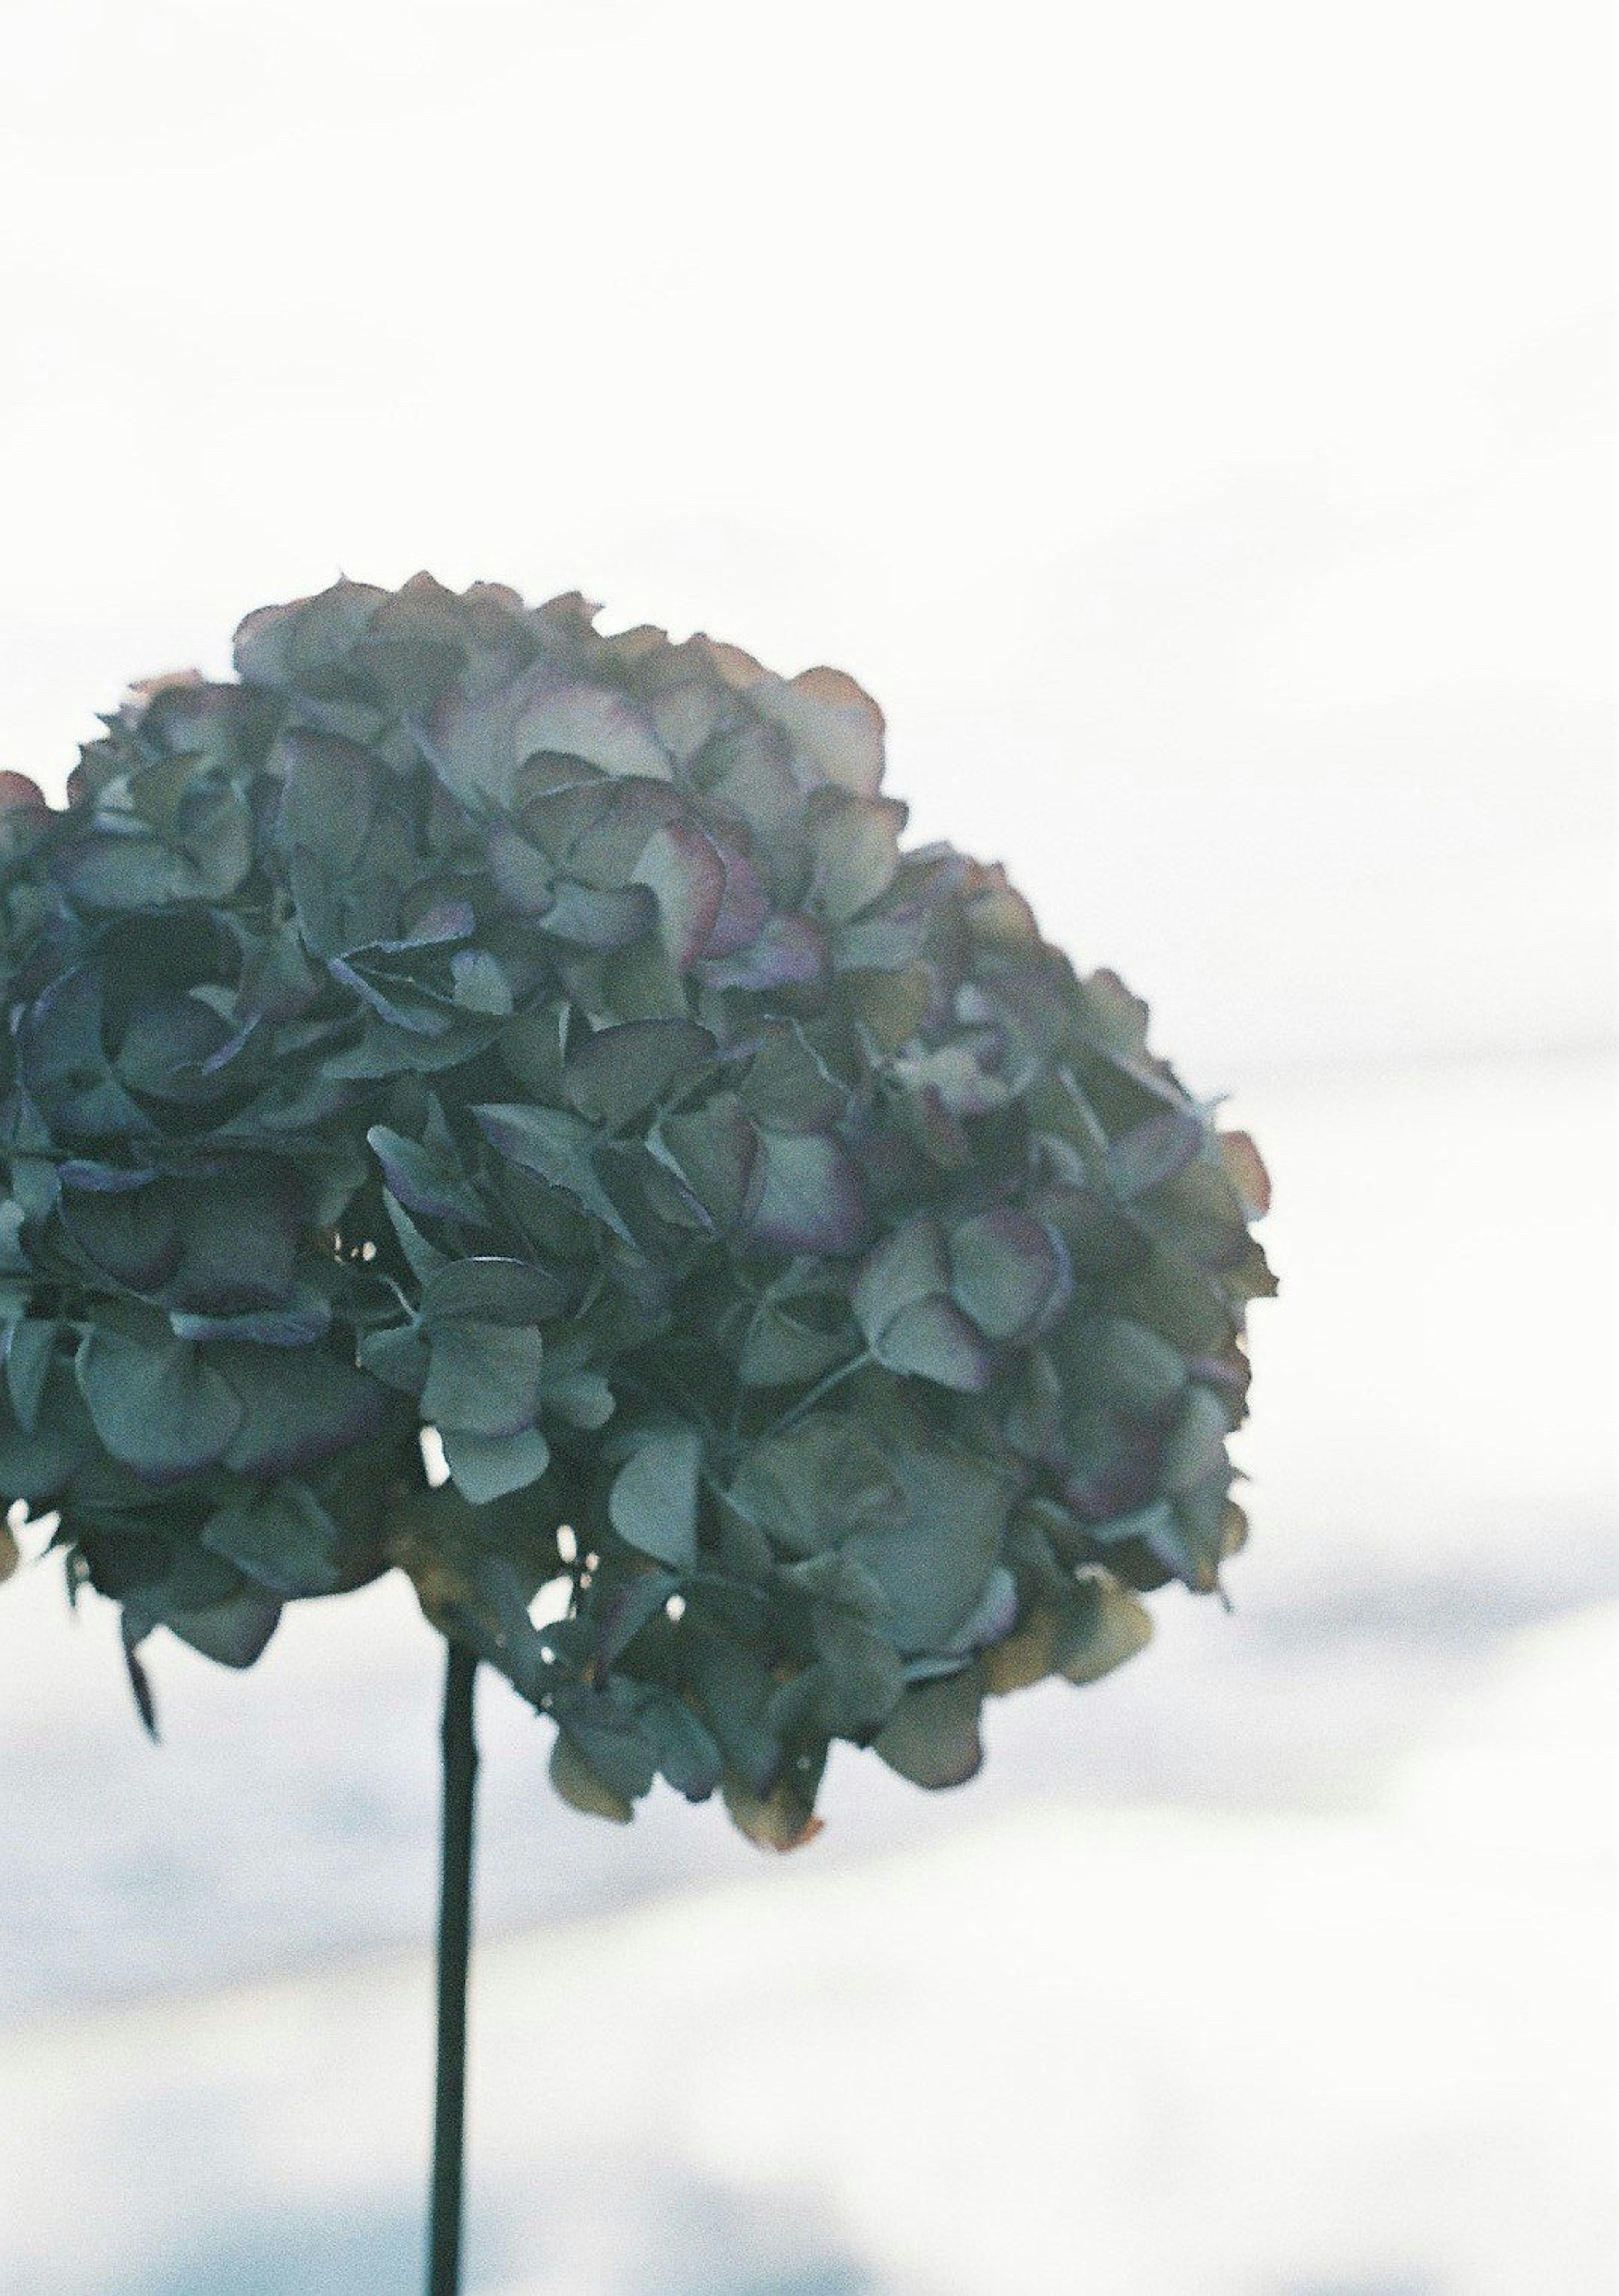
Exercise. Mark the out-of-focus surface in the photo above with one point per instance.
(1194, 426)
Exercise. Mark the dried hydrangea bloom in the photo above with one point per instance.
(467, 1021)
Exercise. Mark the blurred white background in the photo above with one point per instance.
(1195, 426)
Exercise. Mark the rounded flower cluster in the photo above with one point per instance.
(827, 1310)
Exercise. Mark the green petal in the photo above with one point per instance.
(488, 1467)
(653, 1501)
(159, 1407)
(282, 1538)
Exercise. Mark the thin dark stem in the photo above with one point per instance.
(454, 1946)
(835, 1378)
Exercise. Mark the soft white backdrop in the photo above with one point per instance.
(1195, 425)
(1190, 421)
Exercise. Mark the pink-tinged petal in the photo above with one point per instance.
(278, 644)
(835, 727)
(744, 906)
(933, 1339)
(856, 841)
(477, 741)
(610, 826)
(687, 878)
(1245, 1169)
(739, 670)
(811, 1199)
(20, 795)
(908, 1265)
(685, 718)
(1144, 1158)
(791, 952)
(748, 778)
(1009, 1272)
(445, 920)
(561, 907)
(714, 1154)
(525, 874)
(569, 718)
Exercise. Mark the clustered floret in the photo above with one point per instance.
(465, 1020)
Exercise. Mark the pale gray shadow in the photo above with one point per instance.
(1403, 2286)
(337, 2254)
(670, 2238)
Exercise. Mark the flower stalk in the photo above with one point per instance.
(460, 1746)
